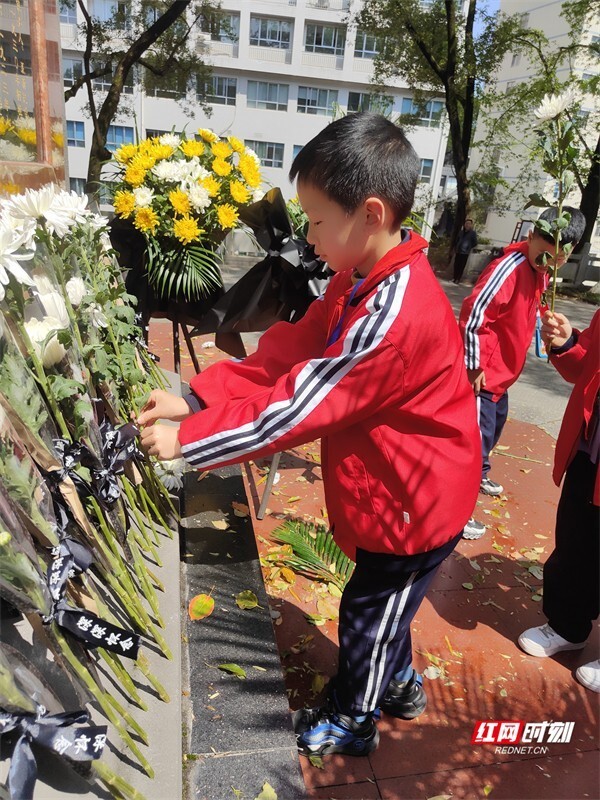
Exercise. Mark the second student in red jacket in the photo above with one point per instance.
(497, 322)
(375, 370)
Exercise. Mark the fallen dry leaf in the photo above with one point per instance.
(201, 606)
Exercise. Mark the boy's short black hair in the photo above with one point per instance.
(358, 156)
(569, 235)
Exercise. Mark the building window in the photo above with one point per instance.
(316, 101)
(220, 90)
(426, 170)
(221, 27)
(68, 12)
(75, 134)
(104, 82)
(172, 86)
(366, 46)
(270, 153)
(118, 135)
(297, 148)
(427, 115)
(115, 12)
(72, 70)
(363, 101)
(515, 59)
(270, 32)
(77, 185)
(154, 133)
(330, 39)
(271, 96)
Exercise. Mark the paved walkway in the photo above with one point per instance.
(486, 593)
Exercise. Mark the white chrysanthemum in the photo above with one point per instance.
(12, 253)
(97, 316)
(193, 170)
(24, 227)
(27, 123)
(76, 290)
(42, 333)
(10, 151)
(250, 152)
(51, 300)
(170, 138)
(58, 210)
(143, 196)
(170, 473)
(554, 104)
(167, 171)
(199, 196)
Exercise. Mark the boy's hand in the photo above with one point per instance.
(161, 441)
(556, 329)
(163, 405)
(476, 379)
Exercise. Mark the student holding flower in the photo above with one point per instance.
(375, 369)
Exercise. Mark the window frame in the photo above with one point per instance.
(269, 151)
(116, 144)
(424, 176)
(363, 51)
(432, 118)
(268, 103)
(335, 48)
(320, 110)
(73, 78)
(77, 129)
(264, 39)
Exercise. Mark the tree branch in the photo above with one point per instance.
(95, 73)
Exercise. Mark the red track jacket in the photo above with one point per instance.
(390, 399)
(579, 365)
(497, 320)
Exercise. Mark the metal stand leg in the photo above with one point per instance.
(268, 486)
(190, 347)
(176, 353)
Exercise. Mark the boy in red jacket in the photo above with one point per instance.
(375, 370)
(571, 586)
(497, 321)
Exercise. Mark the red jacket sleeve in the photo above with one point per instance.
(481, 308)
(347, 382)
(569, 363)
(279, 348)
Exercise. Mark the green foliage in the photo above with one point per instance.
(190, 271)
(315, 553)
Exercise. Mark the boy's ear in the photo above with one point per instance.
(376, 212)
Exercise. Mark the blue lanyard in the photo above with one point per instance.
(338, 328)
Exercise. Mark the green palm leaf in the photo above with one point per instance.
(183, 273)
(315, 553)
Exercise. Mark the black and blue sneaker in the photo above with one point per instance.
(322, 731)
(405, 699)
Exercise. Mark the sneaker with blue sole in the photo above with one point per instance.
(405, 699)
(323, 731)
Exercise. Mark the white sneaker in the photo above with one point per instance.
(588, 675)
(473, 529)
(544, 642)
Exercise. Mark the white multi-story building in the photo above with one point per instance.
(544, 15)
(281, 70)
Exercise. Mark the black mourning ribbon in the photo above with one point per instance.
(119, 445)
(71, 558)
(55, 732)
(142, 341)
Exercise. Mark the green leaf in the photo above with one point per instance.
(233, 669)
(536, 199)
(268, 793)
(246, 599)
(317, 761)
(468, 586)
(201, 606)
(315, 553)
(62, 387)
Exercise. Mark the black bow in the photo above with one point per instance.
(56, 732)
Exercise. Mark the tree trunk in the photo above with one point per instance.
(590, 198)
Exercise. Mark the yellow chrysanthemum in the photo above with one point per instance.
(239, 192)
(250, 172)
(124, 203)
(207, 135)
(125, 153)
(146, 161)
(227, 215)
(9, 188)
(236, 144)
(180, 201)
(27, 136)
(58, 139)
(134, 175)
(186, 230)
(192, 148)
(5, 125)
(161, 151)
(146, 146)
(220, 167)
(221, 149)
(211, 184)
(146, 220)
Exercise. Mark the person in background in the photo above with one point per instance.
(497, 321)
(467, 239)
(571, 585)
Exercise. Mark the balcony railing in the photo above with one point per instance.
(333, 5)
(270, 54)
